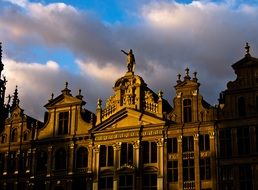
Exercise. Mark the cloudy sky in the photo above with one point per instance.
(48, 42)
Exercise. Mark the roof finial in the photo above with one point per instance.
(66, 91)
(247, 49)
(187, 73)
(80, 96)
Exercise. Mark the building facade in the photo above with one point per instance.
(136, 139)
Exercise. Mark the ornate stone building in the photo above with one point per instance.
(136, 140)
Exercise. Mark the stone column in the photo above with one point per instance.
(69, 184)
(49, 161)
(136, 162)
(90, 156)
(196, 162)
(180, 162)
(15, 185)
(213, 160)
(71, 159)
(47, 184)
(17, 155)
(33, 163)
(160, 160)
(5, 163)
(95, 166)
(117, 149)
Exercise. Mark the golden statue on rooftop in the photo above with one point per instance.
(130, 60)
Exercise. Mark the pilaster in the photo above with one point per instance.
(117, 150)
(160, 147)
(5, 163)
(33, 165)
(71, 159)
(180, 162)
(213, 160)
(96, 166)
(17, 155)
(136, 162)
(196, 162)
(49, 161)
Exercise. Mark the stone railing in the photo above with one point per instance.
(189, 185)
(188, 155)
(151, 107)
(110, 110)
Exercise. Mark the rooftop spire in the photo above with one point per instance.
(247, 49)
(15, 98)
(1, 63)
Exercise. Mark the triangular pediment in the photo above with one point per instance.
(127, 119)
(64, 100)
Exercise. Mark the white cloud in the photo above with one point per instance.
(21, 3)
(208, 37)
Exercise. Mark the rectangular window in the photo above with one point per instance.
(187, 106)
(188, 144)
(106, 156)
(205, 169)
(126, 182)
(243, 140)
(204, 142)
(150, 181)
(126, 154)
(225, 143)
(106, 183)
(149, 152)
(226, 178)
(245, 177)
(172, 171)
(172, 145)
(188, 170)
(63, 123)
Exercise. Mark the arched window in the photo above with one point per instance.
(187, 109)
(41, 161)
(63, 123)
(241, 106)
(14, 135)
(82, 157)
(60, 159)
(3, 139)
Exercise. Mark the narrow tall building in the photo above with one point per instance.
(237, 128)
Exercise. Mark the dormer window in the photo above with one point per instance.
(63, 123)
(187, 110)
